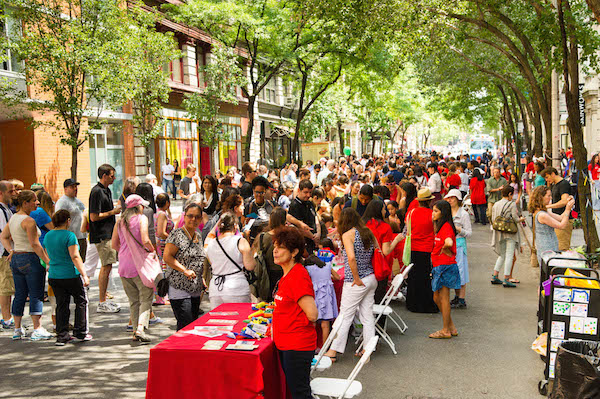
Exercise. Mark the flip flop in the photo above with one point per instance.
(440, 335)
(333, 358)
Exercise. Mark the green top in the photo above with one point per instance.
(539, 181)
(57, 243)
(491, 184)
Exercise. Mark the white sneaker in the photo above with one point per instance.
(19, 334)
(114, 304)
(40, 334)
(108, 307)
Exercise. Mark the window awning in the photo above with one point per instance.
(278, 132)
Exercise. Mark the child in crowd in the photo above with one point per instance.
(286, 198)
(321, 275)
(445, 273)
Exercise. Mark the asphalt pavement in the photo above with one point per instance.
(491, 357)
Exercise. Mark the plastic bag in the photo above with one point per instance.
(540, 344)
(571, 282)
(577, 375)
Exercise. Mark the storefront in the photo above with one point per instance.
(230, 150)
(178, 142)
(106, 146)
(277, 145)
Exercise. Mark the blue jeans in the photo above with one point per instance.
(169, 184)
(30, 278)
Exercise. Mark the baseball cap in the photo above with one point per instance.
(70, 182)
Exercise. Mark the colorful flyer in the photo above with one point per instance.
(581, 296)
(579, 309)
(576, 325)
(554, 344)
(558, 329)
(551, 371)
(590, 326)
(562, 294)
(562, 308)
(552, 359)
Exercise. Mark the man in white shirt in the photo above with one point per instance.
(71, 203)
(168, 175)
(151, 179)
(327, 170)
(7, 285)
(435, 182)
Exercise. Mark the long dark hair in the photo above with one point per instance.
(213, 184)
(411, 193)
(145, 191)
(446, 211)
(477, 174)
(374, 211)
(351, 219)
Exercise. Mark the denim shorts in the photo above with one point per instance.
(445, 276)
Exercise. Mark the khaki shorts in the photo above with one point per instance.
(107, 254)
(7, 284)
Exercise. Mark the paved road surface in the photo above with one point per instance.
(490, 359)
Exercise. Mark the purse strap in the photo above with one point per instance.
(135, 239)
(229, 257)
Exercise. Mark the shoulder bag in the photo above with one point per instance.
(250, 275)
(505, 224)
(406, 255)
(148, 268)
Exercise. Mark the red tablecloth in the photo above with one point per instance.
(180, 369)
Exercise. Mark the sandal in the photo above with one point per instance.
(440, 335)
(496, 280)
(508, 284)
(359, 354)
(454, 333)
(332, 358)
(514, 280)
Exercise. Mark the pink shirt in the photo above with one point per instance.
(127, 267)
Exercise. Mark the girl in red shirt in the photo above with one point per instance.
(594, 167)
(445, 274)
(295, 312)
(478, 200)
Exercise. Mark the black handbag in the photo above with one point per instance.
(249, 274)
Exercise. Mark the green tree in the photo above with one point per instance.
(221, 75)
(148, 52)
(74, 56)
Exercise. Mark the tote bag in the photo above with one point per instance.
(407, 241)
(146, 261)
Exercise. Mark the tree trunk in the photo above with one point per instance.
(595, 7)
(74, 163)
(340, 136)
(526, 134)
(571, 76)
(251, 102)
(296, 141)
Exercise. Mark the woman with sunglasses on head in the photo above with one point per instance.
(184, 254)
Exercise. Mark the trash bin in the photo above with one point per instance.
(577, 371)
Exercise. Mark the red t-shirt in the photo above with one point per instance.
(421, 226)
(530, 167)
(477, 191)
(437, 257)
(453, 180)
(595, 171)
(291, 328)
(413, 205)
(394, 194)
(381, 230)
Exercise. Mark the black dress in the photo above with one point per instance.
(419, 296)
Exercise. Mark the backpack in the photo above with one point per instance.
(261, 287)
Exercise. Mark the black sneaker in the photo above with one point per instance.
(460, 305)
(63, 343)
(454, 301)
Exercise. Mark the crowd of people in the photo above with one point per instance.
(254, 234)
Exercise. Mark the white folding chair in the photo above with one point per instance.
(467, 205)
(343, 388)
(384, 309)
(324, 362)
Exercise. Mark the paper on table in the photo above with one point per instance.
(223, 322)
(223, 313)
(213, 345)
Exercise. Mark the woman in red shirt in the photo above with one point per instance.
(373, 218)
(445, 272)
(419, 297)
(295, 312)
(478, 200)
(453, 179)
(594, 167)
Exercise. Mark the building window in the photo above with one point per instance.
(10, 27)
(269, 93)
(200, 63)
(179, 141)
(175, 68)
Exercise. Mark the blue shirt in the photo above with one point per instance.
(41, 218)
(57, 244)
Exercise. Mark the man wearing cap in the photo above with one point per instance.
(71, 203)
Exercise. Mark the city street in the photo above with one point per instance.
(491, 358)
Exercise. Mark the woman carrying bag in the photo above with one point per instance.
(229, 254)
(138, 264)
